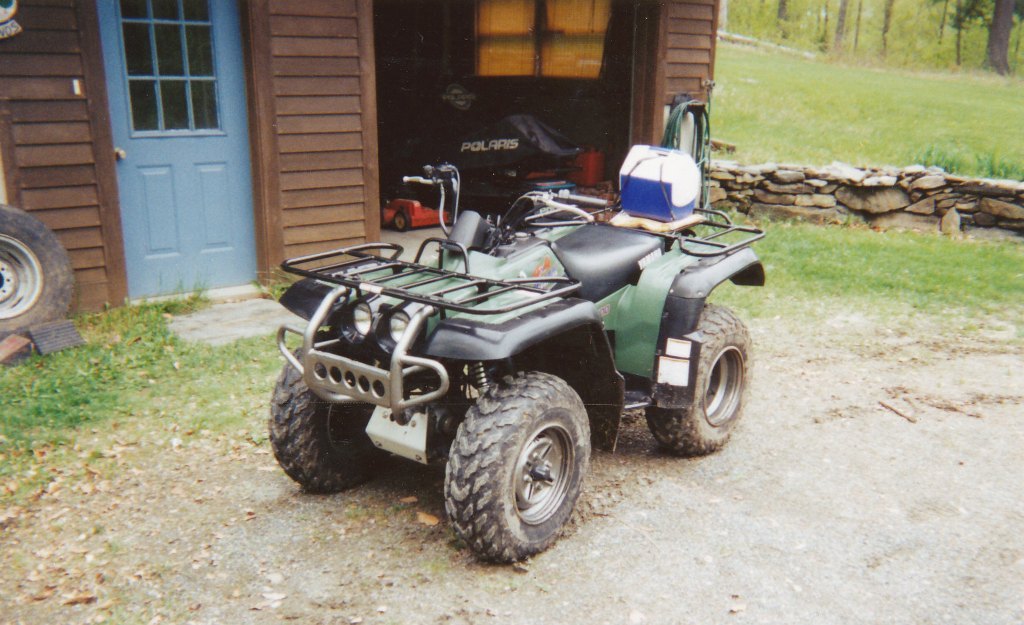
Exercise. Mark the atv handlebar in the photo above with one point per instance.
(548, 200)
(437, 176)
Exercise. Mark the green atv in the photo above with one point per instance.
(510, 356)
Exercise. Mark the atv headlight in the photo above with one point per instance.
(398, 324)
(362, 318)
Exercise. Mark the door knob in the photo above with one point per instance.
(120, 154)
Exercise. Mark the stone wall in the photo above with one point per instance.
(913, 197)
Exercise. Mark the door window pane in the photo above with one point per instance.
(165, 9)
(167, 47)
(204, 104)
(196, 10)
(568, 43)
(505, 17)
(200, 57)
(137, 52)
(505, 56)
(578, 17)
(175, 104)
(143, 97)
(133, 8)
(168, 50)
(572, 56)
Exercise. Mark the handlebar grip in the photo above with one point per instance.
(418, 179)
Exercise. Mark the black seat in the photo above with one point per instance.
(604, 258)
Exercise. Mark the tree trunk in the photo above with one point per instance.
(856, 30)
(824, 30)
(886, 24)
(942, 24)
(959, 31)
(841, 25)
(999, 37)
(783, 13)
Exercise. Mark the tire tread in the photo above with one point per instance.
(474, 475)
(682, 431)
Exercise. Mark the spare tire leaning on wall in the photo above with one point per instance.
(36, 281)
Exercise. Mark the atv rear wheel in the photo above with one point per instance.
(722, 377)
(321, 445)
(516, 467)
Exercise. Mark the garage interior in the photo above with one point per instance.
(447, 68)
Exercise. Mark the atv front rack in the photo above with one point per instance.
(367, 273)
(345, 380)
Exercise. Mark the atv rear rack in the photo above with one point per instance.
(722, 229)
(706, 246)
(355, 274)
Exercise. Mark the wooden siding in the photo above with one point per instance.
(54, 135)
(313, 72)
(689, 31)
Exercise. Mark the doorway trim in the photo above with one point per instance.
(263, 152)
(98, 104)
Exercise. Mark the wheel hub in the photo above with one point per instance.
(542, 474)
(21, 278)
(8, 281)
(725, 387)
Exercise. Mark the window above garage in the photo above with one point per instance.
(541, 38)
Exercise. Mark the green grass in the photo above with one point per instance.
(810, 267)
(957, 159)
(132, 367)
(783, 108)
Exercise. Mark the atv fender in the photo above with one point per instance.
(305, 296)
(565, 338)
(683, 307)
(473, 339)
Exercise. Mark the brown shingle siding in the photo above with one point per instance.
(690, 51)
(313, 8)
(293, 26)
(322, 197)
(311, 161)
(320, 123)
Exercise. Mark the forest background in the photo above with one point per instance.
(919, 34)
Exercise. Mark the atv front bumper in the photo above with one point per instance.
(339, 379)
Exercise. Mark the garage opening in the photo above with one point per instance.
(457, 80)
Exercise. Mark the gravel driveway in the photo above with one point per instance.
(876, 478)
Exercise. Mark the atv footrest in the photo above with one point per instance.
(636, 400)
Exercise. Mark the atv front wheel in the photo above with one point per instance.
(321, 445)
(516, 467)
(722, 376)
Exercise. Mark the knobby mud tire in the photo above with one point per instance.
(31, 254)
(321, 445)
(480, 480)
(690, 431)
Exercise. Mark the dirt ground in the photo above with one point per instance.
(826, 507)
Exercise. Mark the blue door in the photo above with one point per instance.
(178, 112)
